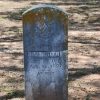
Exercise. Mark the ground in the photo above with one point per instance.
(83, 48)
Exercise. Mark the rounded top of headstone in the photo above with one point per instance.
(45, 28)
(40, 6)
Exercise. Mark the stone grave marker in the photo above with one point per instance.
(45, 53)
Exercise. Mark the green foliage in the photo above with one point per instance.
(17, 93)
(88, 97)
(17, 15)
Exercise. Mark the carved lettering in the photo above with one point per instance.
(45, 33)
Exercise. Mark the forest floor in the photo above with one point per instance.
(83, 48)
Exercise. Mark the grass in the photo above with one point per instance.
(13, 94)
(17, 15)
(88, 97)
(16, 93)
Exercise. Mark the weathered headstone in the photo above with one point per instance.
(45, 53)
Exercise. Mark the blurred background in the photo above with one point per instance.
(83, 47)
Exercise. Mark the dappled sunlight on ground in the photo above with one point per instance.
(86, 85)
(83, 54)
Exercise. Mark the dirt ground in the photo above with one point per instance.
(83, 48)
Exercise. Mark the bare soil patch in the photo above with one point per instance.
(83, 53)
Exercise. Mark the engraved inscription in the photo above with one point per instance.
(45, 46)
(44, 29)
(45, 54)
(47, 70)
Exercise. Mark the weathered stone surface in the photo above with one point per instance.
(45, 50)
